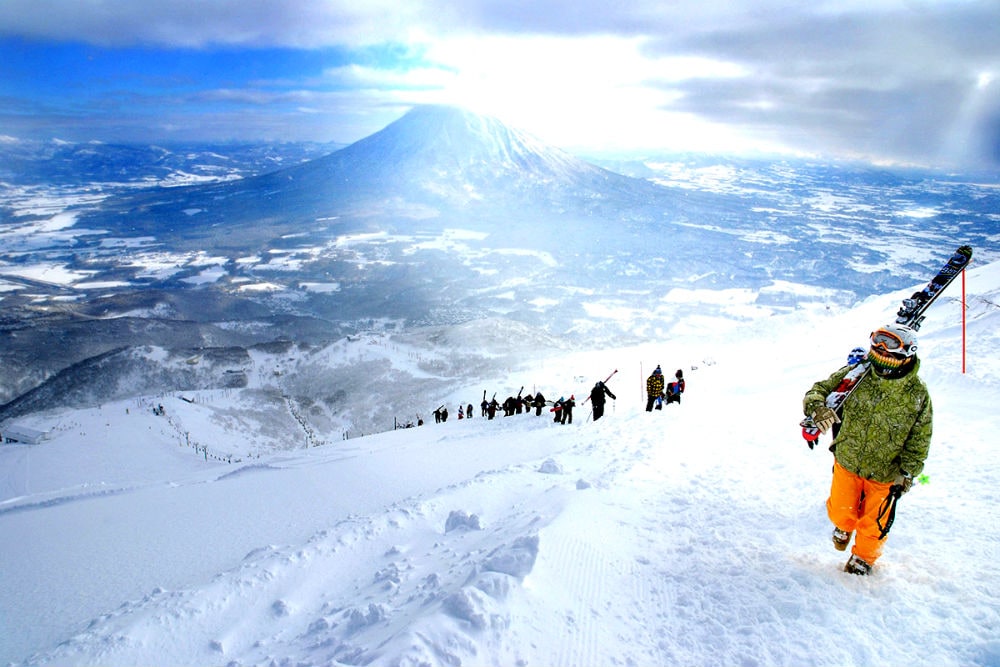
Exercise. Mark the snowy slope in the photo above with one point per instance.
(693, 536)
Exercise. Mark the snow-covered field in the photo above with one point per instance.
(696, 535)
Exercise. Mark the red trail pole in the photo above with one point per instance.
(963, 322)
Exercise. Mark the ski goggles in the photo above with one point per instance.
(887, 340)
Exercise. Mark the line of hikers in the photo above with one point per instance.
(658, 394)
(562, 409)
(512, 405)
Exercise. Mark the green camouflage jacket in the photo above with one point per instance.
(886, 425)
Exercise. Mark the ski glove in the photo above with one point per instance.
(904, 482)
(825, 417)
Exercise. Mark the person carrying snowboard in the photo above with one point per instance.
(884, 438)
(597, 398)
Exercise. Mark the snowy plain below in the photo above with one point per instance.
(692, 536)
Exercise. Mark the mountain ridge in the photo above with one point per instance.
(458, 141)
(435, 163)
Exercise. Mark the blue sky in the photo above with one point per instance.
(900, 81)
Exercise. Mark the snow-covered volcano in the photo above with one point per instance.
(434, 144)
(435, 165)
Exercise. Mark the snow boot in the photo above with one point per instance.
(857, 566)
(841, 538)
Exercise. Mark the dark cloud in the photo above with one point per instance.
(554, 17)
(891, 85)
(201, 23)
(864, 44)
(984, 137)
(312, 23)
(905, 123)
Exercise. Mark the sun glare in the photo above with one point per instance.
(602, 91)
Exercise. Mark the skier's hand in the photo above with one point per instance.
(824, 418)
(904, 482)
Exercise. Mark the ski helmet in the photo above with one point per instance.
(892, 346)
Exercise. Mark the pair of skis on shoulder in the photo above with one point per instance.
(911, 314)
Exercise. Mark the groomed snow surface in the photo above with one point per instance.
(692, 536)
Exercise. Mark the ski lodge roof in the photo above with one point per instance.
(23, 434)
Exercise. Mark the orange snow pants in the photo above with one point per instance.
(853, 506)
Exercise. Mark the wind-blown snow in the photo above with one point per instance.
(697, 535)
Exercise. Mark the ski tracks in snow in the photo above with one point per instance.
(655, 522)
(584, 564)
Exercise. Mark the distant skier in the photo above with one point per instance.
(654, 389)
(538, 403)
(508, 406)
(883, 442)
(598, 398)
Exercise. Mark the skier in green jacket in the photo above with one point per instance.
(883, 441)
